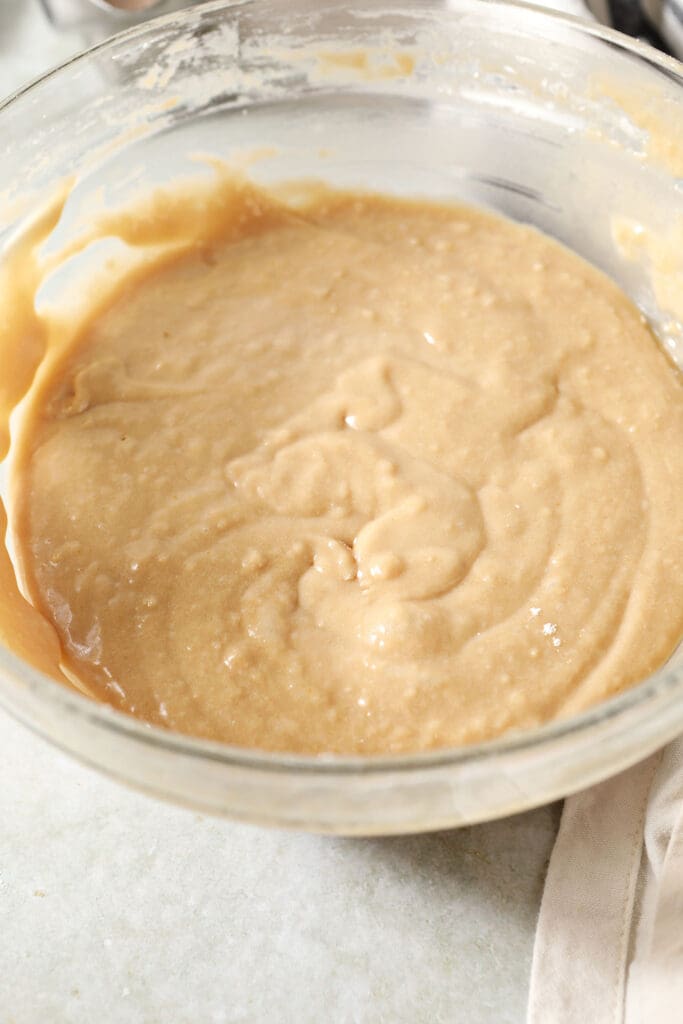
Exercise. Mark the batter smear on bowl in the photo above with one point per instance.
(356, 474)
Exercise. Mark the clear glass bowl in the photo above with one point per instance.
(547, 119)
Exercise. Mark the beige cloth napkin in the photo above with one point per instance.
(609, 941)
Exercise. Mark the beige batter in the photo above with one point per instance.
(361, 476)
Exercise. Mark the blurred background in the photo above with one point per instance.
(37, 34)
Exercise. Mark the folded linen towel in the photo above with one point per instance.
(609, 941)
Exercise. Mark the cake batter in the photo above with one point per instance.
(358, 475)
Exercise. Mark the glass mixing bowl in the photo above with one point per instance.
(547, 119)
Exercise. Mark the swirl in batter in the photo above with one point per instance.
(365, 475)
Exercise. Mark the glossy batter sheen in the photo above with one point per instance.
(368, 475)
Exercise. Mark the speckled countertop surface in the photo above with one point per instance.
(117, 908)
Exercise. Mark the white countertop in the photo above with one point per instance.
(117, 908)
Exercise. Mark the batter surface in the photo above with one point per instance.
(366, 475)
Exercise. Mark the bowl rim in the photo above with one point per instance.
(666, 683)
(663, 62)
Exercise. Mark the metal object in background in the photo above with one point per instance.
(667, 18)
(129, 5)
(658, 22)
(103, 17)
